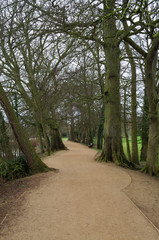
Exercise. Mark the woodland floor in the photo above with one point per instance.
(85, 200)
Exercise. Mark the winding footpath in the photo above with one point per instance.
(84, 201)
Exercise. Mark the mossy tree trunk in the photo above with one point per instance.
(152, 165)
(56, 141)
(84, 138)
(125, 125)
(43, 124)
(5, 144)
(145, 129)
(38, 127)
(88, 104)
(134, 157)
(72, 134)
(101, 83)
(100, 130)
(34, 162)
(113, 149)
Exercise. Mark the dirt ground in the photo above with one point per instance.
(85, 200)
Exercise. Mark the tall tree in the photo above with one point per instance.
(145, 120)
(150, 56)
(113, 149)
(35, 76)
(101, 21)
(4, 139)
(34, 162)
(133, 105)
(125, 124)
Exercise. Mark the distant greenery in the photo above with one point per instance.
(64, 138)
(124, 144)
(125, 147)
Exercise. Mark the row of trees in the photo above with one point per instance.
(80, 64)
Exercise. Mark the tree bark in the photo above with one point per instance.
(45, 135)
(101, 83)
(84, 138)
(113, 149)
(125, 127)
(6, 148)
(72, 127)
(34, 162)
(40, 137)
(88, 110)
(152, 164)
(56, 141)
(100, 130)
(134, 158)
(145, 129)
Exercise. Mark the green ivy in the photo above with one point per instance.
(13, 169)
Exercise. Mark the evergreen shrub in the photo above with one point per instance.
(13, 169)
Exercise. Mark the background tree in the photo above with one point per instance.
(6, 151)
(34, 162)
(147, 22)
(133, 105)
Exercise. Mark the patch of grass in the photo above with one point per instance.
(64, 139)
(139, 141)
(124, 145)
(99, 150)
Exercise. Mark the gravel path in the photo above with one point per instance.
(84, 201)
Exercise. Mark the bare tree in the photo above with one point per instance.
(34, 162)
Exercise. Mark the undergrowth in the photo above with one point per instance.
(13, 169)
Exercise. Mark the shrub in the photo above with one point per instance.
(13, 169)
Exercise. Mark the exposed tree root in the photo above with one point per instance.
(117, 159)
(153, 171)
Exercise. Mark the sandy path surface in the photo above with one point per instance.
(84, 201)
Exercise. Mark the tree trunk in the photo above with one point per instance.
(133, 106)
(125, 127)
(45, 135)
(100, 130)
(145, 129)
(72, 128)
(6, 148)
(113, 149)
(101, 83)
(40, 137)
(87, 135)
(56, 142)
(84, 138)
(34, 162)
(88, 110)
(152, 165)
(100, 136)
